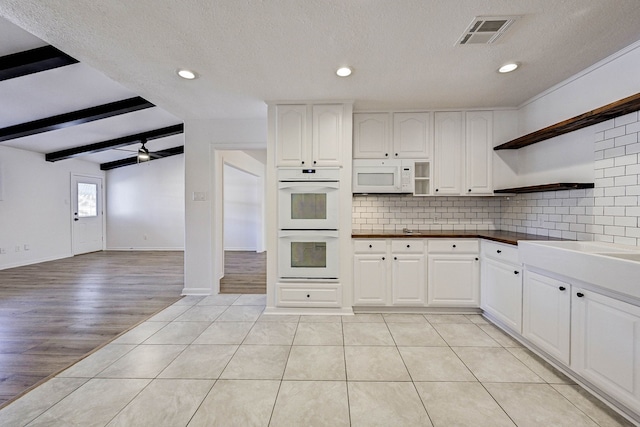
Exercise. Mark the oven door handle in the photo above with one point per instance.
(309, 186)
(310, 234)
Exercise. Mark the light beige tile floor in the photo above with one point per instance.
(219, 361)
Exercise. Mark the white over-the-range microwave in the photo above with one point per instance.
(383, 176)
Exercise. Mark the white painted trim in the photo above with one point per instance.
(196, 291)
(258, 145)
(344, 311)
(583, 73)
(241, 250)
(36, 261)
(166, 249)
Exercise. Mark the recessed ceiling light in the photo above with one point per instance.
(507, 68)
(344, 71)
(187, 74)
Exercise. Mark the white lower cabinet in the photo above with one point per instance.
(389, 272)
(546, 314)
(605, 344)
(370, 279)
(454, 274)
(407, 273)
(306, 295)
(501, 284)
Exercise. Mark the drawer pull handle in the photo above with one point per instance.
(370, 246)
(395, 258)
(469, 190)
(383, 258)
(516, 272)
(499, 251)
(476, 259)
(408, 246)
(308, 296)
(386, 154)
(437, 189)
(562, 288)
(579, 294)
(454, 246)
(303, 162)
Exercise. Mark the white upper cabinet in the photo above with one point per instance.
(374, 139)
(326, 141)
(309, 135)
(463, 151)
(449, 139)
(291, 134)
(411, 135)
(479, 151)
(371, 136)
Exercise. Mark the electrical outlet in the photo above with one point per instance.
(436, 220)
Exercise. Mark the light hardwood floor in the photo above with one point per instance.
(54, 313)
(245, 272)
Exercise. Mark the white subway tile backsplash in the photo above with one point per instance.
(626, 119)
(615, 132)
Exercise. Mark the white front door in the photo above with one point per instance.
(87, 214)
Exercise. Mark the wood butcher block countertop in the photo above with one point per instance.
(497, 236)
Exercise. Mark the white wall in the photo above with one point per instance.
(606, 153)
(35, 208)
(202, 174)
(243, 195)
(569, 158)
(145, 206)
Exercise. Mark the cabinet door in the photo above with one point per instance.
(546, 314)
(407, 282)
(371, 136)
(447, 164)
(291, 135)
(411, 135)
(479, 151)
(327, 135)
(370, 279)
(454, 281)
(501, 295)
(605, 342)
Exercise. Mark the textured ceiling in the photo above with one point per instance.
(402, 52)
(247, 52)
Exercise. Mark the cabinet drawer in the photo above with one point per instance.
(407, 246)
(500, 252)
(448, 246)
(309, 296)
(369, 246)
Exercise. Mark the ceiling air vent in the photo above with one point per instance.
(486, 29)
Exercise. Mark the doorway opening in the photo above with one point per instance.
(244, 257)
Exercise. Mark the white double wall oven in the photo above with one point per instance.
(308, 244)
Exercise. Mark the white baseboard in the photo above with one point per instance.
(180, 249)
(196, 291)
(34, 261)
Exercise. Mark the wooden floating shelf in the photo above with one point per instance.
(546, 187)
(602, 114)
